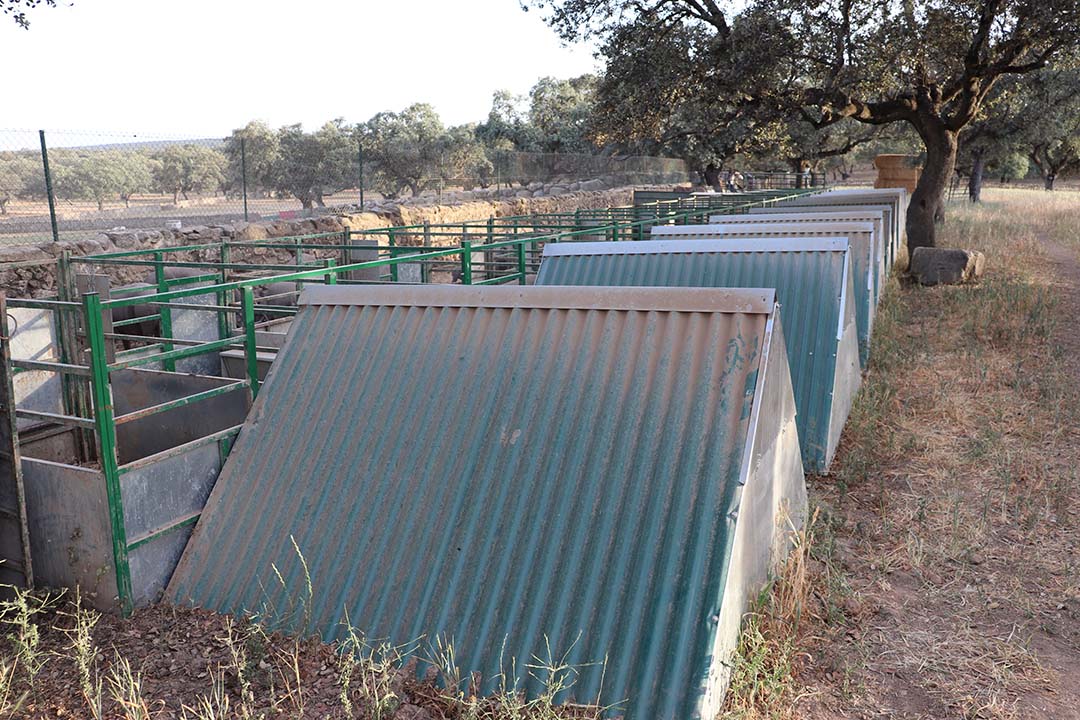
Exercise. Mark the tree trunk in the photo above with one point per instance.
(978, 165)
(797, 166)
(3, 206)
(712, 177)
(306, 202)
(927, 206)
(1048, 182)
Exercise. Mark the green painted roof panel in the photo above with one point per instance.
(501, 465)
(813, 285)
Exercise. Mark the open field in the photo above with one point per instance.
(943, 578)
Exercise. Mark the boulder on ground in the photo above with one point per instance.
(945, 266)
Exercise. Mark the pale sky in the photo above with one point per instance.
(199, 68)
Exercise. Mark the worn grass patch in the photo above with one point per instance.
(943, 581)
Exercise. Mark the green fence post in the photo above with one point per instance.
(393, 267)
(251, 356)
(360, 163)
(427, 233)
(331, 276)
(466, 262)
(105, 428)
(222, 296)
(49, 187)
(521, 262)
(243, 176)
(164, 310)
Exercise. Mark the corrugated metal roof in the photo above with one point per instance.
(785, 215)
(501, 464)
(867, 256)
(897, 205)
(813, 284)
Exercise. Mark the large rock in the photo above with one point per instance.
(945, 266)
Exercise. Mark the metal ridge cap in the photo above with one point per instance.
(812, 210)
(797, 227)
(841, 202)
(550, 297)
(707, 241)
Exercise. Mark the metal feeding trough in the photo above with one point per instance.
(606, 472)
(113, 456)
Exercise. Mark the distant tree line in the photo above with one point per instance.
(405, 152)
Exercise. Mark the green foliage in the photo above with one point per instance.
(21, 177)
(405, 148)
(182, 169)
(261, 155)
(1053, 130)
(560, 111)
(310, 166)
(715, 76)
(1012, 166)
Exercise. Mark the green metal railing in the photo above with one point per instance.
(511, 248)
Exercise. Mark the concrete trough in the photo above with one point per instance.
(608, 472)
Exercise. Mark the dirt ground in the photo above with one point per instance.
(169, 662)
(947, 570)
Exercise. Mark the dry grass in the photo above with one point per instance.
(944, 575)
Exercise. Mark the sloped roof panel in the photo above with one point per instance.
(813, 283)
(501, 465)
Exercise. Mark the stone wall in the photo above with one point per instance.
(30, 270)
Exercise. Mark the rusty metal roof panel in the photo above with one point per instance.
(814, 286)
(603, 467)
(867, 257)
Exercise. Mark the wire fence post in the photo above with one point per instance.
(243, 176)
(49, 187)
(360, 159)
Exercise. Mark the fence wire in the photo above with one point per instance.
(71, 185)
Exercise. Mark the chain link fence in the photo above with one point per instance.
(70, 185)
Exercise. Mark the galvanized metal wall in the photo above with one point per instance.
(813, 283)
(502, 465)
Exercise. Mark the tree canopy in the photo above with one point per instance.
(17, 9)
(928, 63)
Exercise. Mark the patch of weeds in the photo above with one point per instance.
(84, 652)
(764, 663)
(369, 672)
(125, 687)
(19, 615)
